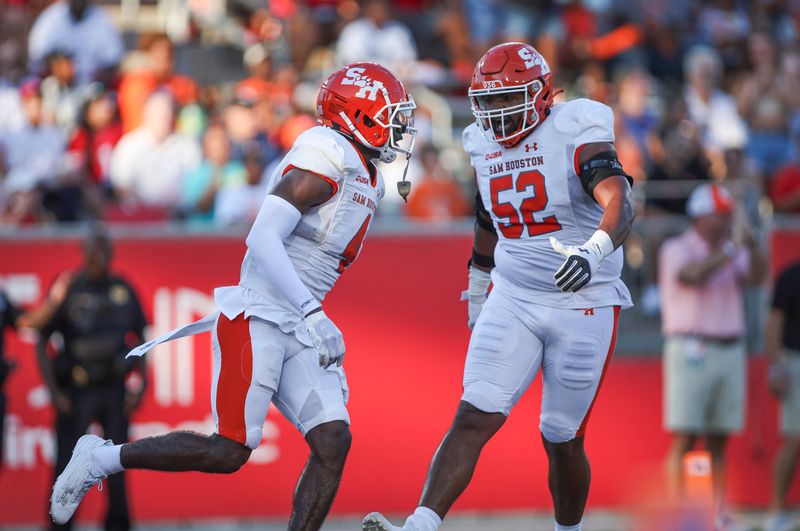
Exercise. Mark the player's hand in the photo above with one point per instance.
(327, 339)
(133, 399)
(580, 264)
(476, 293)
(778, 380)
(62, 403)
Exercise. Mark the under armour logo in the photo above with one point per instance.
(529, 148)
(588, 311)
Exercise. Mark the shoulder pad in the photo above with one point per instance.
(319, 151)
(325, 141)
(586, 120)
(472, 139)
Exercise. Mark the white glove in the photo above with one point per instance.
(327, 339)
(581, 262)
(476, 293)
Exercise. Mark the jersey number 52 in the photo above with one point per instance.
(518, 219)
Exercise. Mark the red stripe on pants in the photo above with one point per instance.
(611, 346)
(235, 375)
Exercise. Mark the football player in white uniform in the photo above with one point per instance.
(554, 207)
(272, 342)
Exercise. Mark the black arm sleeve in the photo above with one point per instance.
(601, 167)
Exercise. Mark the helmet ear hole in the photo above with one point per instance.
(368, 121)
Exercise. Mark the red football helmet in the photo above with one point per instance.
(366, 102)
(522, 76)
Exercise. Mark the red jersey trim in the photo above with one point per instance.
(582, 430)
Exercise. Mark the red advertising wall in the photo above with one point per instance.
(406, 336)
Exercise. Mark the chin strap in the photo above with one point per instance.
(404, 187)
(385, 153)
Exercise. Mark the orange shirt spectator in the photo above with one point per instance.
(435, 200)
(438, 197)
(138, 85)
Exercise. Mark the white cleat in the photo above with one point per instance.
(76, 479)
(378, 522)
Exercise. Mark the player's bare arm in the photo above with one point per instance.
(603, 178)
(303, 189)
(613, 194)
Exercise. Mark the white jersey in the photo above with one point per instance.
(532, 192)
(326, 240)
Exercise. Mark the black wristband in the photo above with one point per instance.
(481, 260)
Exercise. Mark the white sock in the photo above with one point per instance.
(576, 527)
(106, 460)
(423, 519)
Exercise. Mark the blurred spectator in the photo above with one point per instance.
(724, 25)
(664, 53)
(769, 146)
(61, 99)
(157, 73)
(80, 29)
(12, 116)
(99, 320)
(784, 189)
(702, 274)
(249, 121)
(759, 81)
(32, 157)
(15, 21)
(789, 79)
(377, 38)
(263, 80)
(215, 172)
(436, 196)
(636, 119)
(90, 148)
(579, 25)
(678, 158)
(148, 164)
(257, 85)
(782, 350)
(239, 204)
(709, 108)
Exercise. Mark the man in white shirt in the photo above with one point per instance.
(376, 38)
(81, 29)
(712, 110)
(149, 163)
(32, 153)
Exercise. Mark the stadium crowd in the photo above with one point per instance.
(103, 115)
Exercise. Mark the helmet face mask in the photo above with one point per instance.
(511, 92)
(398, 119)
(367, 103)
(505, 123)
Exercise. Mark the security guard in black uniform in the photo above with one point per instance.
(99, 321)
